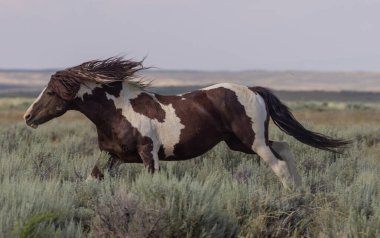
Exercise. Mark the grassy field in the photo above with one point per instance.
(220, 194)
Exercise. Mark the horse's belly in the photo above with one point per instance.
(119, 149)
(191, 148)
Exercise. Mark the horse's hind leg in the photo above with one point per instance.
(279, 167)
(276, 155)
(235, 144)
(243, 142)
(282, 151)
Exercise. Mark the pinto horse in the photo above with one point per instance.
(137, 126)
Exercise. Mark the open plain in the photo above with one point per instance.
(219, 194)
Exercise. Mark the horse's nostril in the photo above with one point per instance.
(27, 117)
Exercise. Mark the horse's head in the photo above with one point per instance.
(64, 86)
(53, 101)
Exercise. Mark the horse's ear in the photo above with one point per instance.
(67, 89)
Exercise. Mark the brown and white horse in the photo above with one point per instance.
(134, 125)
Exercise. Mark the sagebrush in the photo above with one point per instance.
(220, 194)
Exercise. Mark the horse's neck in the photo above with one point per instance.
(127, 93)
(101, 106)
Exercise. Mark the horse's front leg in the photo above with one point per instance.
(112, 164)
(148, 156)
(101, 165)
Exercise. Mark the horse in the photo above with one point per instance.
(138, 126)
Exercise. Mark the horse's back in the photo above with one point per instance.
(235, 101)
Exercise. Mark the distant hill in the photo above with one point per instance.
(278, 80)
(24, 80)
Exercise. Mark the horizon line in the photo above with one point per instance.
(204, 70)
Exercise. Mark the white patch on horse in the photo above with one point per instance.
(254, 106)
(86, 89)
(255, 109)
(166, 133)
(35, 101)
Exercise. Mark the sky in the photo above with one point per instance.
(332, 35)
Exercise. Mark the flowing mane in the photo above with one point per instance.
(106, 71)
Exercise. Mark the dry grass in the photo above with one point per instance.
(339, 118)
(219, 194)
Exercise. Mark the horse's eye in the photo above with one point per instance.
(50, 93)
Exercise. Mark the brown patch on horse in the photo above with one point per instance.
(217, 112)
(146, 105)
(113, 89)
(237, 120)
(161, 153)
(198, 115)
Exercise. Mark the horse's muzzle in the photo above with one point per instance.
(29, 121)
